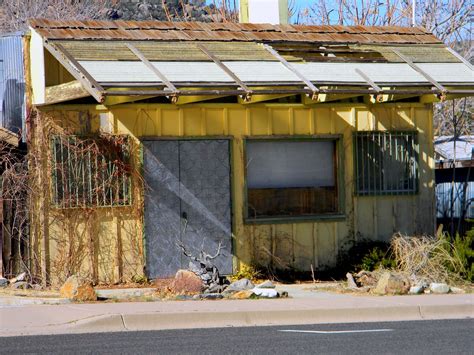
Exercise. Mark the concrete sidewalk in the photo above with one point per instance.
(304, 308)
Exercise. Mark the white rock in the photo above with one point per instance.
(266, 284)
(415, 290)
(457, 290)
(265, 292)
(439, 287)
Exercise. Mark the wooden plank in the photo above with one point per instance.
(8, 137)
(229, 72)
(155, 71)
(419, 70)
(369, 81)
(65, 92)
(283, 61)
(76, 70)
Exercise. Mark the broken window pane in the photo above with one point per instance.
(291, 178)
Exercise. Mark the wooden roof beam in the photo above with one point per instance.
(309, 84)
(245, 88)
(159, 74)
(441, 88)
(76, 70)
(378, 90)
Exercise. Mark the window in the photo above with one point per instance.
(91, 172)
(289, 178)
(386, 163)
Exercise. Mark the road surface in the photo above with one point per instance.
(434, 337)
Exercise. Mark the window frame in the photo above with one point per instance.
(60, 204)
(339, 178)
(382, 192)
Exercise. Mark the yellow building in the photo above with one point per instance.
(276, 145)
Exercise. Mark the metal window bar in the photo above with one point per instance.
(386, 163)
(88, 178)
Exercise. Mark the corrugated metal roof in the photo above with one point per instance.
(12, 83)
(194, 31)
(444, 146)
(250, 71)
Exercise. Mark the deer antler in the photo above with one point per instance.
(217, 252)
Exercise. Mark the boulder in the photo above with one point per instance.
(392, 284)
(20, 277)
(265, 292)
(211, 296)
(21, 285)
(456, 290)
(242, 295)
(367, 279)
(3, 282)
(350, 281)
(416, 290)
(240, 285)
(266, 284)
(78, 289)
(186, 282)
(439, 288)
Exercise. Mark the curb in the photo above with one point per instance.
(161, 321)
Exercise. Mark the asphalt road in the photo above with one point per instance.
(433, 337)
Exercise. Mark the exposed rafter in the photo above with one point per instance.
(245, 88)
(428, 77)
(309, 84)
(76, 70)
(159, 74)
(373, 85)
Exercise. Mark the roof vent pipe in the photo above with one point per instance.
(264, 11)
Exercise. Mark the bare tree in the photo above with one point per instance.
(14, 14)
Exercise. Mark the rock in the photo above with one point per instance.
(242, 295)
(416, 290)
(392, 284)
(439, 287)
(184, 297)
(366, 279)
(3, 282)
(20, 277)
(266, 284)
(78, 289)
(456, 290)
(186, 282)
(240, 285)
(284, 294)
(265, 292)
(20, 285)
(350, 281)
(211, 296)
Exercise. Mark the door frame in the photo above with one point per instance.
(231, 140)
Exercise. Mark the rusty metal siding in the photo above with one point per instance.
(12, 95)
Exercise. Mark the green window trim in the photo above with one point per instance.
(386, 163)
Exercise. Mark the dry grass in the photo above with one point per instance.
(427, 259)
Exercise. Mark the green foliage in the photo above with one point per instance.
(462, 248)
(246, 272)
(377, 258)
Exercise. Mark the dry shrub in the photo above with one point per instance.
(427, 259)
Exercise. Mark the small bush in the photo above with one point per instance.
(376, 259)
(463, 249)
(246, 272)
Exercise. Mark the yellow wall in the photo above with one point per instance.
(299, 244)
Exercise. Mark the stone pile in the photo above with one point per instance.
(393, 283)
(19, 282)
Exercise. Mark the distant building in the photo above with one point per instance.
(454, 176)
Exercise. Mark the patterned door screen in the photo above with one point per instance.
(187, 200)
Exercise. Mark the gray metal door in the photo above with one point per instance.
(187, 199)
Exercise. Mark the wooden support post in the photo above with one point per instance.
(159, 74)
(314, 89)
(248, 92)
(441, 88)
(76, 70)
